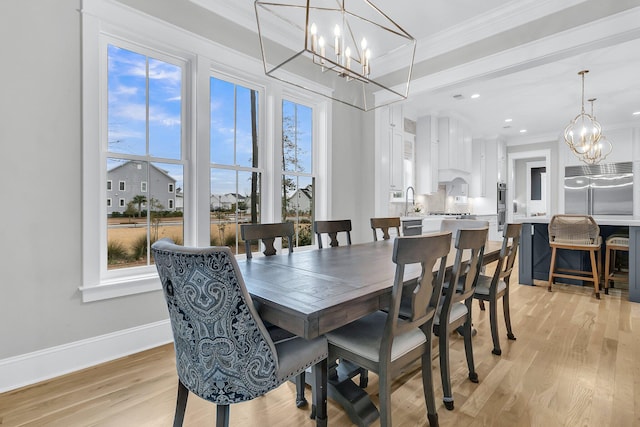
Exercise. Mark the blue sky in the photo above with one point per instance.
(231, 136)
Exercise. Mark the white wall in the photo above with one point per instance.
(40, 106)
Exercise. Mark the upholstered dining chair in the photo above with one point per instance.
(384, 224)
(387, 342)
(332, 228)
(491, 288)
(575, 233)
(223, 351)
(267, 233)
(454, 312)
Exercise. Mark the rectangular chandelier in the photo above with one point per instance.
(349, 47)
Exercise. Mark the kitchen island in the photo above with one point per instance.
(535, 253)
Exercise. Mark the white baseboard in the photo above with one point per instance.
(30, 368)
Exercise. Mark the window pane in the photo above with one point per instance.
(126, 93)
(298, 206)
(139, 218)
(222, 122)
(165, 107)
(297, 131)
(235, 199)
(246, 126)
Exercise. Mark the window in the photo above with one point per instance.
(144, 117)
(234, 148)
(143, 152)
(297, 191)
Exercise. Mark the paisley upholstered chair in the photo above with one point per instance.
(267, 233)
(223, 351)
(388, 342)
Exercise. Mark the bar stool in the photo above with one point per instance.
(578, 233)
(615, 242)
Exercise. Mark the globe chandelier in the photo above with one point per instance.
(583, 134)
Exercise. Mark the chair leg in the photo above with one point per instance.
(443, 340)
(481, 304)
(301, 401)
(319, 393)
(552, 266)
(493, 320)
(427, 386)
(222, 415)
(181, 404)
(468, 349)
(607, 269)
(594, 270)
(507, 315)
(364, 378)
(384, 392)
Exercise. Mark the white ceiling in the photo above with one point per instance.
(537, 86)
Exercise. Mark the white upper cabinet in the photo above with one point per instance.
(426, 155)
(454, 149)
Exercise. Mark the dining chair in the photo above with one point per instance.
(491, 288)
(388, 342)
(454, 312)
(223, 351)
(332, 228)
(575, 233)
(267, 233)
(384, 224)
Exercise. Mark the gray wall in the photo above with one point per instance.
(40, 136)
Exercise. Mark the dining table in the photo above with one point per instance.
(312, 292)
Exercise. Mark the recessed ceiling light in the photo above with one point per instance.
(636, 113)
(508, 120)
(523, 131)
(475, 95)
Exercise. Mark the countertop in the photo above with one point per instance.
(620, 220)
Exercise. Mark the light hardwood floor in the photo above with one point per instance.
(575, 363)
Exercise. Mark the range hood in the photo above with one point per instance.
(457, 187)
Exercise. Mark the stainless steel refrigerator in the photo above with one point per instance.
(599, 189)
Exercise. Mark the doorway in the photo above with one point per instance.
(528, 188)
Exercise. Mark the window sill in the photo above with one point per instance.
(115, 288)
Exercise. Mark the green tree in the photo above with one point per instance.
(139, 200)
(131, 210)
(290, 154)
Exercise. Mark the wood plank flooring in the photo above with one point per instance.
(575, 363)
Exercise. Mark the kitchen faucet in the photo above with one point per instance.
(406, 199)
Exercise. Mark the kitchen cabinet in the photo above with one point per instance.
(426, 155)
(395, 159)
(454, 149)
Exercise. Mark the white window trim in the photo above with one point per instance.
(109, 203)
(171, 187)
(122, 186)
(143, 186)
(109, 185)
(122, 202)
(108, 17)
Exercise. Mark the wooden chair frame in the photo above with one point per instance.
(332, 228)
(384, 224)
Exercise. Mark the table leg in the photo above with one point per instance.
(353, 399)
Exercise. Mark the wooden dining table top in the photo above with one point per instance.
(312, 292)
